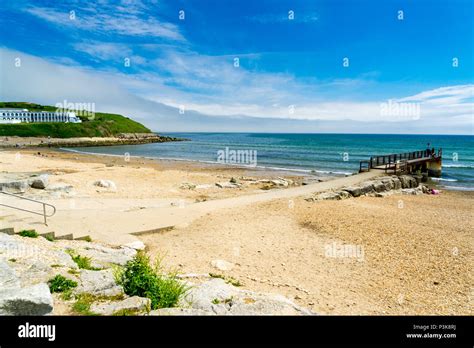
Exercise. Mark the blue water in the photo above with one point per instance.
(313, 154)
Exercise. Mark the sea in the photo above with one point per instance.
(307, 154)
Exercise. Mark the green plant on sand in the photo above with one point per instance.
(140, 278)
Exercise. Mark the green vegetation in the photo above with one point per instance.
(82, 262)
(61, 284)
(140, 278)
(83, 304)
(12, 260)
(28, 233)
(49, 237)
(101, 125)
(228, 280)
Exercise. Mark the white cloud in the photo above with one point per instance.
(109, 19)
(260, 101)
(103, 50)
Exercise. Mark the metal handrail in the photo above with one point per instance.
(31, 211)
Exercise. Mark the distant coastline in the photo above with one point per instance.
(120, 139)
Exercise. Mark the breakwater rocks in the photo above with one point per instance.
(39, 276)
(120, 139)
(380, 187)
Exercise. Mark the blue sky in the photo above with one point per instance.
(290, 75)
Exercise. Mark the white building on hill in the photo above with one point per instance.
(10, 115)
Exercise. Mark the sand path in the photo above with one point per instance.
(115, 220)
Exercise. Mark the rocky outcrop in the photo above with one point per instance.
(31, 300)
(215, 296)
(28, 264)
(120, 139)
(99, 283)
(40, 182)
(380, 187)
(14, 186)
(131, 305)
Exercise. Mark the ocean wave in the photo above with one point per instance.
(443, 179)
(458, 188)
(240, 165)
(458, 166)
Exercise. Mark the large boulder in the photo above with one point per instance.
(33, 259)
(379, 186)
(330, 195)
(101, 256)
(408, 181)
(40, 182)
(217, 297)
(101, 283)
(16, 186)
(343, 194)
(396, 183)
(355, 191)
(366, 187)
(108, 184)
(8, 276)
(32, 300)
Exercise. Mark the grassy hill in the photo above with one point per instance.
(102, 125)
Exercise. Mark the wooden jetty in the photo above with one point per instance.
(424, 161)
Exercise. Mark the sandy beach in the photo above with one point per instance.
(401, 254)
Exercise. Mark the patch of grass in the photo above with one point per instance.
(140, 278)
(233, 281)
(87, 239)
(84, 301)
(60, 284)
(228, 280)
(73, 271)
(82, 262)
(216, 301)
(56, 265)
(66, 295)
(28, 233)
(215, 275)
(83, 304)
(49, 237)
(12, 260)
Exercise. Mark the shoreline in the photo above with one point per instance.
(303, 172)
(121, 139)
(273, 238)
(264, 170)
